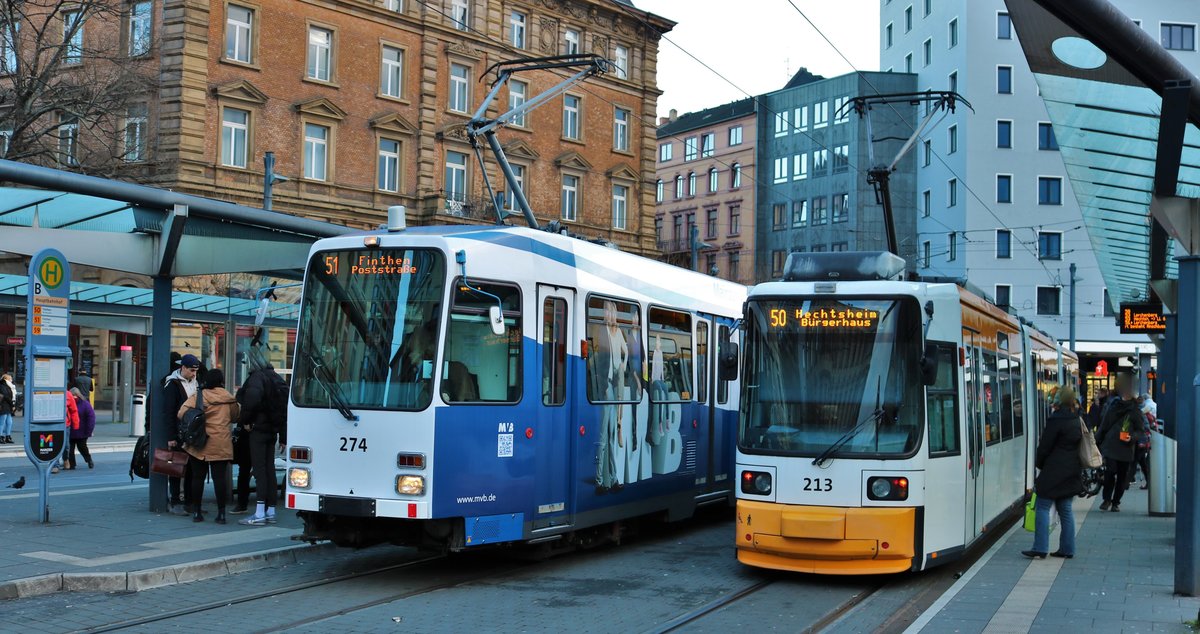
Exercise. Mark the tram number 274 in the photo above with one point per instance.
(818, 484)
(353, 444)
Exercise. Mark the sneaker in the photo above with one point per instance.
(271, 519)
(1104, 505)
(179, 509)
(239, 510)
(1116, 508)
(54, 470)
(253, 520)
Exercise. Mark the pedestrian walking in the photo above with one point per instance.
(84, 427)
(1093, 413)
(265, 412)
(214, 458)
(85, 385)
(1141, 452)
(1059, 477)
(8, 406)
(71, 424)
(1123, 423)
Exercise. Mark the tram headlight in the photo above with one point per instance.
(298, 478)
(410, 485)
(756, 482)
(892, 488)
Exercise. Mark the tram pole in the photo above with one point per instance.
(1072, 307)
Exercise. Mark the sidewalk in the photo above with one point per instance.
(1121, 580)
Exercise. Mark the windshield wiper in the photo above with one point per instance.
(837, 444)
(323, 377)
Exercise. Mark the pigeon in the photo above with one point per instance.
(18, 484)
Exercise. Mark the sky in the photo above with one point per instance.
(757, 49)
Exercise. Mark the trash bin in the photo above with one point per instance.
(137, 422)
(1162, 475)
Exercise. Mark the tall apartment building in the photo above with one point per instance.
(706, 174)
(994, 204)
(363, 104)
(815, 196)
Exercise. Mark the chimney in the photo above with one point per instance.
(674, 114)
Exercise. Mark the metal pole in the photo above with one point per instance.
(1072, 306)
(1187, 517)
(268, 178)
(694, 234)
(160, 366)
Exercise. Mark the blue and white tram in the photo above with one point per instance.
(886, 425)
(461, 386)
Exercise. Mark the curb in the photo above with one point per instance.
(139, 580)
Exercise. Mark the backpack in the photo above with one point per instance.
(139, 465)
(192, 427)
(278, 399)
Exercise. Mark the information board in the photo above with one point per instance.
(1142, 319)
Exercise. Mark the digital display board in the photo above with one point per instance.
(1142, 319)
(363, 264)
(784, 317)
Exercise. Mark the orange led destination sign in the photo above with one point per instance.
(1145, 319)
(370, 265)
(798, 318)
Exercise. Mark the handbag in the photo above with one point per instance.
(169, 463)
(1089, 454)
(1031, 513)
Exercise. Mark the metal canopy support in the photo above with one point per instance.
(1187, 518)
(159, 362)
(168, 242)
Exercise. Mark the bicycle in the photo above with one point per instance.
(1093, 480)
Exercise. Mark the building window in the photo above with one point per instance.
(925, 254)
(456, 177)
(621, 129)
(678, 187)
(389, 166)
(887, 36)
(820, 114)
(620, 198)
(799, 167)
(799, 213)
(710, 223)
(708, 144)
(570, 197)
(927, 52)
(139, 28)
(841, 158)
(1003, 244)
(820, 210)
(952, 81)
(664, 152)
(1049, 190)
(460, 88)
(394, 5)
(778, 216)
(316, 152)
(519, 176)
(928, 7)
(239, 30)
(841, 207)
(658, 191)
(8, 48)
(73, 37)
(712, 180)
(1046, 140)
(235, 136)
(735, 220)
(1004, 188)
(135, 133)
(820, 162)
(5, 140)
(778, 258)
(952, 192)
(461, 15)
(68, 141)
(1004, 80)
(735, 176)
(1003, 26)
(927, 153)
(908, 19)
(320, 53)
(951, 246)
(1004, 134)
(621, 61)
(1048, 300)
(689, 149)
(781, 123)
(735, 260)
(952, 139)
(735, 135)
(841, 113)
(839, 246)
(391, 74)
(516, 29)
(1003, 295)
(518, 92)
(571, 42)
(1049, 245)
(908, 63)
(800, 119)
(925, 203)
(1179, 37)
(952, 34)
(691, 183)
(781, 169)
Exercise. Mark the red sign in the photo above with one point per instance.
(1102, 368)
(16, 341)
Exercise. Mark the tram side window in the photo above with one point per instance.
(942, 402)
(1018, 398)
(723, 386)
(991, 396)
(670, 347)
(480, 366)
(615, 351)
(554, 351)
(702, 361)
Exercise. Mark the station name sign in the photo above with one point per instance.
(1142, 319)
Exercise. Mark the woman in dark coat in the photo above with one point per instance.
(1123, 424)
(1059, 477)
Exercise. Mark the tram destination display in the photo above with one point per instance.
(1142, 319)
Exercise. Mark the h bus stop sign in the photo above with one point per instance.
(47, 324)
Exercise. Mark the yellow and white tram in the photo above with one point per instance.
(885, 425)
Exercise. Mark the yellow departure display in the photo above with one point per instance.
(797, 318)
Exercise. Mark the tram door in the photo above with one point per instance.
(704, 398)
(973, 510)
(555, 492)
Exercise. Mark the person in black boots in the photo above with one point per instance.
(216, 454)
(1059, 477)
(1122, 425)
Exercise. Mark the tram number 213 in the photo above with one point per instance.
(818, 484)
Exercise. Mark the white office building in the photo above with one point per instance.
(994, 204)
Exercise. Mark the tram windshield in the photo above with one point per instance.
(834, 372)
(368, 332)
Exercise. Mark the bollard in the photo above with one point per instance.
(137, 422)
(1162, 475)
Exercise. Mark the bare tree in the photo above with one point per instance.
(76, 79)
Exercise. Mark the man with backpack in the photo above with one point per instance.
(264, 399)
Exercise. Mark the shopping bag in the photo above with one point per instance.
(1089, 454)
(1031, 513)
(169, 463)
